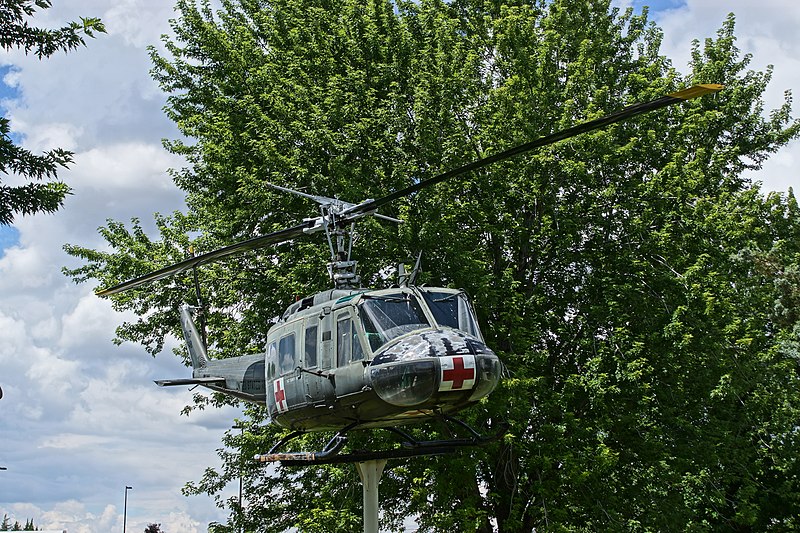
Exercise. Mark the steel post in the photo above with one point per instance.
(370, 473)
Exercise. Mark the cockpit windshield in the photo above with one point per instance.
(452, 309)
(388, 316)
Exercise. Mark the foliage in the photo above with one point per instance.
(6, 525)
(153, 528)
(642, 294)
(45, 194)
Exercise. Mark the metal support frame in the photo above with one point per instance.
(410, 447)
(370, 464)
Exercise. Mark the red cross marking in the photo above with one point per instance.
(280, 395)
(458, 374)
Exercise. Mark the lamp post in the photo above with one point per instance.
(125, 510)
(241, 526)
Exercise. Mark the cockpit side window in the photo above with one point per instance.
(452, 310)
(373, 334)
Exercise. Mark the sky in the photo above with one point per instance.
(80, 418)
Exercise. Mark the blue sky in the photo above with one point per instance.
(6, 91)
(9, 236)
(81, 418)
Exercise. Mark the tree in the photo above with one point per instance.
(45, 193)
(640, 292)
(153, 528)
(6, 524)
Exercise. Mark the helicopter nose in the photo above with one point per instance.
(434, 364)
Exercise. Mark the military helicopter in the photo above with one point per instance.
(356, 358)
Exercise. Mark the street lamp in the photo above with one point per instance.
(125, 510)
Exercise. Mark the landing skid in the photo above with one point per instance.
(410, 447)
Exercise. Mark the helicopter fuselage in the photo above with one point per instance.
(358, 358)
(362, 358)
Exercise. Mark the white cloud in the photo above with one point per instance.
(24, 268)
(139, 22)
(81, 418)
(768, 31)
(43, 136)
(72, 516)
(86, 322)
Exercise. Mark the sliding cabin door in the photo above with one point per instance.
(318, 387)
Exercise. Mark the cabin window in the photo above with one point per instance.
(272, 359)
(452, 310)
(348, 345)
(310, 350)
(286, 354)
(388, 316)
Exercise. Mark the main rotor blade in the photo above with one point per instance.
(623, 114)
(244, 246)
(352, 212)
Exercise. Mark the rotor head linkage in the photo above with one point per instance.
(342, 269)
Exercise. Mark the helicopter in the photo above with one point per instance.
(351, 357)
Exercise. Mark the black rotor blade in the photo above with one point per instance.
(244, 246)
(623, 114)
(351, 213)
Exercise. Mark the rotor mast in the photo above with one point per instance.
(342, 269)
(337, 218)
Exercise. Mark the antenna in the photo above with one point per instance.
(412, 280)
(404, 278)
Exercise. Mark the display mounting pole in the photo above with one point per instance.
(370, 473)
(125, 510)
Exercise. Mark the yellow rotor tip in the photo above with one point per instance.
(697, 90)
